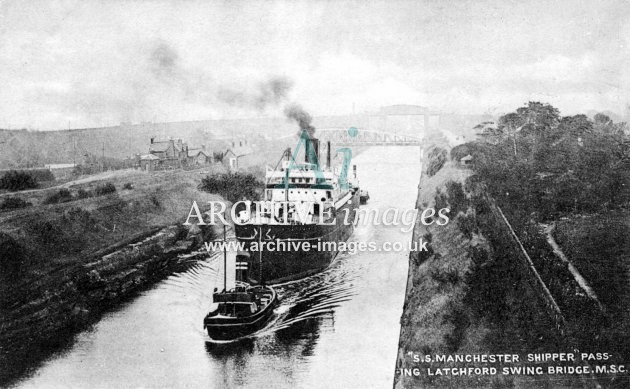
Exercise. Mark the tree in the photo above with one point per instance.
(603, 124)
(532, 122)
(578, 126)
(601, 118)
(539, 116)
(509, 125)
(489, 131)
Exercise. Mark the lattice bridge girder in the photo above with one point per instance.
(342, 136)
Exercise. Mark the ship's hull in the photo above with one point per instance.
(232, 331)
(228, 328)
(295, 262)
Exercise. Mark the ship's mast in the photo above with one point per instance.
(286, 177)
(262, 282)
(224, 260)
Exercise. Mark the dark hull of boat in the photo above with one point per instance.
(221, 328)
(296, 263)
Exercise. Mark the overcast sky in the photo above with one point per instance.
(95, 63)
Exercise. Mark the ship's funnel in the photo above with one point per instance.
(328, 155)
(311, 149)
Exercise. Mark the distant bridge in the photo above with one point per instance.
(357, 136)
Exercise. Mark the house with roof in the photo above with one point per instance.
(200, 156)
(237, 157)
(171, 153)
(148, 162)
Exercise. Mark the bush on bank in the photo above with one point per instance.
(105, 189)
(233, 186)
(60, 196)
(18, 180)
(83, 194)
(11, 255)
(14, 203)
(437, 159)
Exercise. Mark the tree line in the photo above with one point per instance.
(544, 165)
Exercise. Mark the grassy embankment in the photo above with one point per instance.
(63, 264)
(546, 170)
(599, 247)
(463, 296)
(543, 170)
(55, 234)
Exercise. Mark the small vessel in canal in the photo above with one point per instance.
(241, 310)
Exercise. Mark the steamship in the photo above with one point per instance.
(328, 202)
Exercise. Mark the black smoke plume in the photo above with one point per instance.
(267, 93)
(166, 66)
(155, 82)
(164, 60)
(273, 91)
(303, 118)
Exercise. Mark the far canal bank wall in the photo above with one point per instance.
(75, 297)
(469, 294)
(63, 264)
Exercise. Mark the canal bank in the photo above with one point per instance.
(81, 259)
(337, 328)
(433, 319)
(469, 294)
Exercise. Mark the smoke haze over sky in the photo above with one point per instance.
(97, 63)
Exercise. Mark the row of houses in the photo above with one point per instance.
(172, 154)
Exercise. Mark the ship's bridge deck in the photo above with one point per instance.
(303, 175)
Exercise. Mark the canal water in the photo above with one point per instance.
(335, 329)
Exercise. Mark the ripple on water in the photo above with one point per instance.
(315, 297)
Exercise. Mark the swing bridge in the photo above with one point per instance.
(343, 136)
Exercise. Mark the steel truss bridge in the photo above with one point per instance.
(358, 136)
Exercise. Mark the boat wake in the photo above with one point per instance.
(313, 298)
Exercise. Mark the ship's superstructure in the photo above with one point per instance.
(302, 203)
